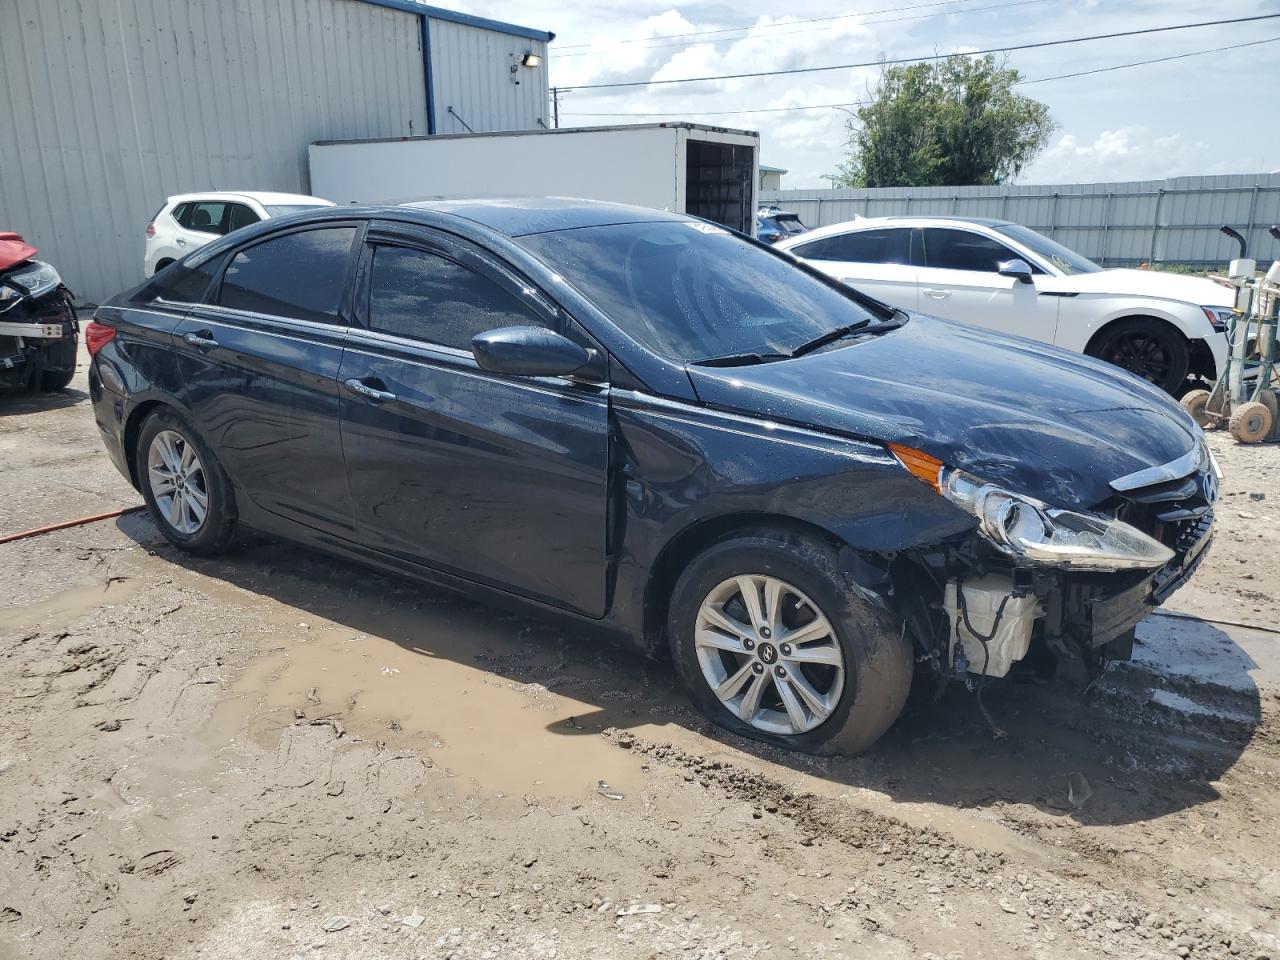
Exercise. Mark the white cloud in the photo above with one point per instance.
(1128, 153)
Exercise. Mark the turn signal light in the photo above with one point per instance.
(97, 335)
(919, 464)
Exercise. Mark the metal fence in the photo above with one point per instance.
(1171, 221)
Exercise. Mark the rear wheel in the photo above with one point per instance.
(774, 643)
(1149, 349)
(189, 495)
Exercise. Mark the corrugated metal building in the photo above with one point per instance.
(109, 106)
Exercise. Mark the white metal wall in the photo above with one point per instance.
(471, 73)
(1116, 224)
(109, 106)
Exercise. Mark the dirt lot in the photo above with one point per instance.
(277, 755)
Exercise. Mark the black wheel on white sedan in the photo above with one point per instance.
(189, 495)
(774, 643)
(1147, 348)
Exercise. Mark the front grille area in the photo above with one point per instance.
(1176, 512)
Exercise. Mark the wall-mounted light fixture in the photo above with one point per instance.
(531, 59)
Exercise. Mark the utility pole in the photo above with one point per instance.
(555, 107)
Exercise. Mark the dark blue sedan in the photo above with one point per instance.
(643, 422)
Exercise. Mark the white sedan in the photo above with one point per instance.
(188, 221)
(1007, 277)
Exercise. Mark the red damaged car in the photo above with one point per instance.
(38, 326)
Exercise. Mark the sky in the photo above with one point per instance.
(1184, 117)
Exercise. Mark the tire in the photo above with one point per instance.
(1251, 422)
(861, 695)
(51, 380)
(170, 438)
(1196, 404)
(1148, 349)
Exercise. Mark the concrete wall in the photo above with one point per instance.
(1115, 224)
(109, 106)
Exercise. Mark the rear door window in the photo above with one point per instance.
(946, 249)
(186, 281)
(299, 275)
(239, 215)
(425, 296)
(203, 216)
(889, 245)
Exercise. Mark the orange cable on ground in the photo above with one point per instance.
(93, 518)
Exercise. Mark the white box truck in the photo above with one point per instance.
(707, 172)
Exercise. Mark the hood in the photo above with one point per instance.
(1200, 291)
(14, 250)
(1037, 420)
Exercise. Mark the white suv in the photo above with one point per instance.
(1007, 277)
(191, 220)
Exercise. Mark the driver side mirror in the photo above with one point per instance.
(1020, 270)
(528, 352)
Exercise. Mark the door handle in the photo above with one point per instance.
(201, 338)
(369, 392)
(934, 294)
(180, 242)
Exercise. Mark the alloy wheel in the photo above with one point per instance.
(769, 654)
(177, 481)
(1141, 353)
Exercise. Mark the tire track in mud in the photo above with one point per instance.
(1017, 903)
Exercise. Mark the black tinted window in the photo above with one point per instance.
(239, 216)
(186, 281)
(428, 297)
(962, 250)
(863, 246)
(299, 275)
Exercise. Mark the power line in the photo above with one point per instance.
(1143, 63)
(788, 33)
(937, 56)
(863, 103)
(754, 26)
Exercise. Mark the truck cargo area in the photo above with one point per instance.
(704, 171)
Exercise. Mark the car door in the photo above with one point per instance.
(498, 479)
(960, 280)
(260, 361)
(199, 222)
(876, 261)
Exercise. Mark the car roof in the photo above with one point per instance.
(261, 196)
(869, 223)
(521, 216)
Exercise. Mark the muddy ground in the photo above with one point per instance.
(276, 755)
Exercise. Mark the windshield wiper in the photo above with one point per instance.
(831, 336)
(900, 317)
(740, 359)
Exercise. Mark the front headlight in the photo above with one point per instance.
(1028, 529)
(1218, 317)
(34, 280)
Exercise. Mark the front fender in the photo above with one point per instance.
(679, 466)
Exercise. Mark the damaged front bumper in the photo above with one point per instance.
(986, 614)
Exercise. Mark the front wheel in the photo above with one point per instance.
(190, 498)
(1146, 348)
(775, 643)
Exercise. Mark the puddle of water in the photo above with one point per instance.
(501, 735)
(68, 606)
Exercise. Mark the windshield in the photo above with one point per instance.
(281, 209)
(1065, 259)
(789, 225)
(693, 291)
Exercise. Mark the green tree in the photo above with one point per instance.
(952, 122)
